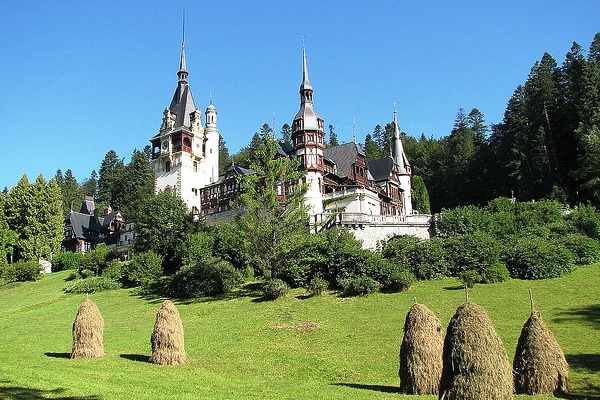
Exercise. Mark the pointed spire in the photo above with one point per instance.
(305, 88)
(354, 129)
(182, 73)
(397, 148)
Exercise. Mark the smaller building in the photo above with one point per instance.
(85, 229)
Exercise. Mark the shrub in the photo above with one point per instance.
(473, 252)
(533, 258)
(198, 246)
(496, 273)
(86, 273)
(144, 269)
(469, 278)
(393, 277)
(585, 249)
(113, 270)
(586, 220)
(205, 278)
(398, 247)
(275, 289)
(400, 280)
(360, 286)
(317, 286)
(67, 260)
(462, 221)
(21, 271)
(90, 285)
(427, 260)
(97, 260)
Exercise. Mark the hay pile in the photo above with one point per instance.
(167, 338)
(475, 363)
(88, 331)
(421, 352)
(540, 366)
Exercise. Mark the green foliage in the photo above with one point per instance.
(427, 260)
(469, 278)
(229, 245)
(21, 271)
(476, 252)
(275, 289)
(317, 286)
(420, 195)
(360, 286)
(91, 285)
(586, 220)
(207, 277)
(268, 220)
(495, 273)
(197, 246)
(97, 260)
(462, 220)
(534, 258)
(144, 269)
(86, 273)
(163, 225)
(113, 270)
(71, 193)
(585, 249)
(66, 260)
(398, 248)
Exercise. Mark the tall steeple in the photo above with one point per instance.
(397, 149)
(306, 89)
(182, 73)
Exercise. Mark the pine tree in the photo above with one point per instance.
(286, 135)
(372, 149)
(71, 192)
(90, 186)
(333, 138)
(110, 169)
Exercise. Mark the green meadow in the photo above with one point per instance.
(299, 347)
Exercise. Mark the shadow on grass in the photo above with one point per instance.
(577, 396)
(374, 388)
(252, 289)
(459, 287)
(588, 315)
(58, 355)
(136, 357)
(9, 392)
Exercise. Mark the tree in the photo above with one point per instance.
(163, 225)
(286, 134)
(420, 195)
(265, 219)
(110, 170)
(132, 185)
(224, 159)
(71, 192)
(90, 186)
(372, 149)
(333, 138)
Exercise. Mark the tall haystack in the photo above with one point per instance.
(421, 352)
(167, 338)
(88, 331)
(475, 363)
(540, 366)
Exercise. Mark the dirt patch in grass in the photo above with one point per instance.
(302, 326)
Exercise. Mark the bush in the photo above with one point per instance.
(67, 260)
(398, 247)
(473, 252)
(205, 278)
(86, 273)
(317, 286)
(21, 271)
(462, 220)
(392, 277)
(586, 220)
(113, 270)
(360, 286)
(496, 273)
(585, 249)
(469, 278)
(533, 258)
(427, 260)
(97, 260)
(144, 269)
(275, 289)
(90, 285)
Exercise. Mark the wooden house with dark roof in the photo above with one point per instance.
(85, 229)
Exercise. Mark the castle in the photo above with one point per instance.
(344, 188)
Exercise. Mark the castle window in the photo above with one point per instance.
(195, 166)
(168, 166)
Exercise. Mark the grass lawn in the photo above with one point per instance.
(296, 348)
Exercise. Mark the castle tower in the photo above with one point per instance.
(185, 154)
(405, 170)
(308, 137)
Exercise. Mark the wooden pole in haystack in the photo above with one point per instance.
(421, 352)
(475, 365)
(88, 332)
(167, 338)
(540, 366)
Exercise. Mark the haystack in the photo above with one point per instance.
(475, 363)
(540, 366)
(88, 331)
(421, 352)
(167, 338)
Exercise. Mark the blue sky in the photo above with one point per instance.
(79, 78)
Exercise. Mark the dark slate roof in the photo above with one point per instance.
(241, 171)
(182, 105)
(285, 148)
(88, 207)
(344, 156)
(381, 168)
(85, 226)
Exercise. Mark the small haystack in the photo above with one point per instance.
(167, 338)
(540, 366)
(88, 332)
(421, 352)
(475, 363)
